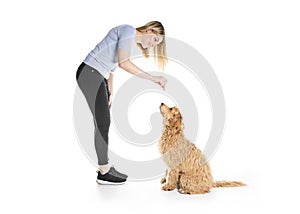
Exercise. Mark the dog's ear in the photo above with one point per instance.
(178, 127)
(177, 111)
(179, 116)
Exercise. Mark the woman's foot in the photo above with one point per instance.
(110, 177)
(119, 174)
(104, 168)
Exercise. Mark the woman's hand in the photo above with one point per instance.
(110, 100)
(110, 89)
(160, 80)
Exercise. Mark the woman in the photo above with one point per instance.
(95, 79)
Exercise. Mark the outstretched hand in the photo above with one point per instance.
(161, 81)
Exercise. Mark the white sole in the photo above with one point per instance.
(109, 183)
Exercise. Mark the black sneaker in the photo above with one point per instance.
(119, 174)
(109, 178)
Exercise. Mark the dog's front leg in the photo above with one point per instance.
(171, 180)
(164, 179)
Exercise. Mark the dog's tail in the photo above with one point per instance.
(228, 184)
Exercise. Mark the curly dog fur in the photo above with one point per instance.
(188, 171)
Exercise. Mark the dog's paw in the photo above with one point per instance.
(167, 187)
(182, 191)
(163, 180)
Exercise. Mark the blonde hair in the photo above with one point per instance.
(160, 52)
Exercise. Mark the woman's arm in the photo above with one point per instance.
(133, 69)
(127, 65)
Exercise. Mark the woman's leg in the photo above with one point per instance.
(102, 123)
(95, 89)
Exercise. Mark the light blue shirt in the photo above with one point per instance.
(104, 57)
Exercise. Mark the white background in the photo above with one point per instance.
(253, 47)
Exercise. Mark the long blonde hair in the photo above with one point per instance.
(160, 52)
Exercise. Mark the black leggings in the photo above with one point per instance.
(94, 87)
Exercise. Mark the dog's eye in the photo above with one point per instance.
(171, 109)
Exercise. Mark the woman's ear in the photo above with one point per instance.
(149, 31)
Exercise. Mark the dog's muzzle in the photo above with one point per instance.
(163, 108)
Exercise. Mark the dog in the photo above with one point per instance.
(188, 171)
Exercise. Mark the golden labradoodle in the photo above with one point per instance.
(188, 169)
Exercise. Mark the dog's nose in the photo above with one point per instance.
(161, 104)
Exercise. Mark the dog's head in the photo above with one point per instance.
(171, 117)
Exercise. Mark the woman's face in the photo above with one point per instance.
(150, 39)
